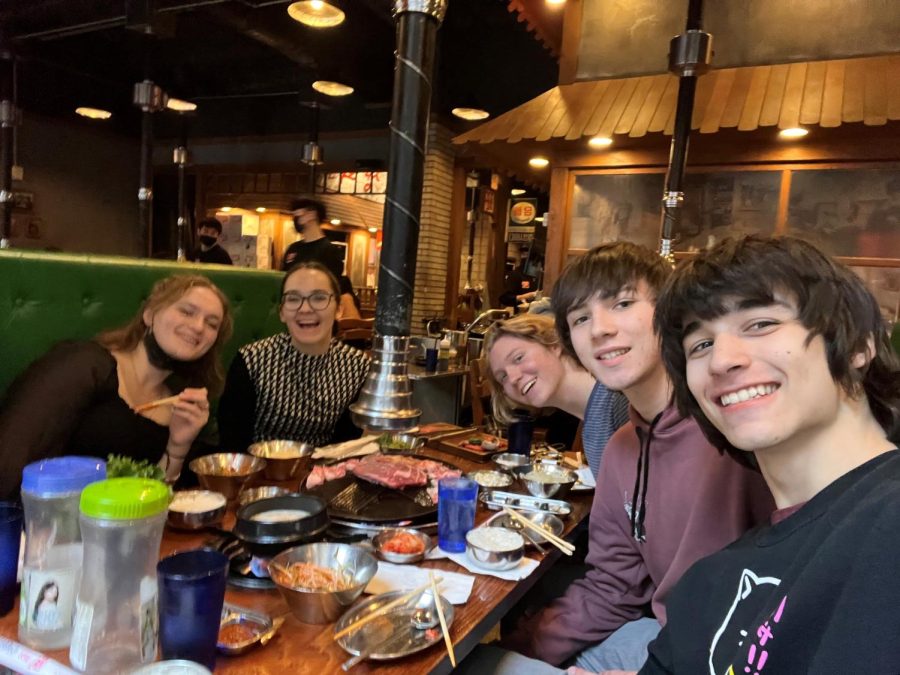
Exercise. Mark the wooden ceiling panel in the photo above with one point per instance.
(827, 93)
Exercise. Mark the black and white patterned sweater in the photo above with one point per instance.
(274, 391)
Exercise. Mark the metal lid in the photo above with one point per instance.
(61, 475)
(125, 498)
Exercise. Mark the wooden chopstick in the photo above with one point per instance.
(381, 611)
(440, 611)
(155, 404)
(559, 542)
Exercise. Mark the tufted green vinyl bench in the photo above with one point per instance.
(47, 297)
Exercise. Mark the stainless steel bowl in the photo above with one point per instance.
(310, 606)
(400, 443)
(384, 536)
(513, 461)
(227, 472)
(251, 495)
(183, 519)
(546, 521)
(285, 460)
(491, 559)
(491, 479)
(560, 485)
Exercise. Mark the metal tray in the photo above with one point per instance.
(392, 634)
(497, 499)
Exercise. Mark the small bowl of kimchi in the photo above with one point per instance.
(402, 545)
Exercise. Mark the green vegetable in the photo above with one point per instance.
(118, 466)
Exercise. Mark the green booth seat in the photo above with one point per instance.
(48, 297)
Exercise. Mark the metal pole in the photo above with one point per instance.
(145, 188)
(689, 57)
(8, 119)
(180, 157)
(386, 399)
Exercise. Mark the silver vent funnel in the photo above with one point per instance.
(386, 399)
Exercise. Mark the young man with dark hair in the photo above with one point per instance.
(209, 231)
(309, 214)
(783, 357)
(664, 498)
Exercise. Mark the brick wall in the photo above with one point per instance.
(434, 231)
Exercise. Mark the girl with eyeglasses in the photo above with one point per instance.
(297, 385)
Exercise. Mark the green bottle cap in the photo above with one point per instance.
(125, 498)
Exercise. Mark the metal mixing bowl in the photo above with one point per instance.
(400, 443)
(227, 472)
(494, 560)
(195, 520)
(284, 459)
(557, 489)
(513, 461)
(251, 495)
(310, 606)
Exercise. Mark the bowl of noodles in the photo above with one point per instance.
(320, 581)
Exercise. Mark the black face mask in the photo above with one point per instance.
(207, 239)
(157, 356)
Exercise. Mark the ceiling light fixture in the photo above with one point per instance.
(471, 114)
(335, 221)
(260, 209)
(600, 142)
(793, 132)
(539, 162)
(316, 13)
(556, 2)
(330, 88)
(515, 192)
(225, 209)
(94, 113)
(178, 105)
(373, 230)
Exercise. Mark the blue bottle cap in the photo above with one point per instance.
(61, 475)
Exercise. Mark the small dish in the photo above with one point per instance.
(546, 521)
(251, 495)
(547, 480)
(491, 479)
(512, 461)
(240, 630)
(196, 509)
(495, 548)
(384, 538)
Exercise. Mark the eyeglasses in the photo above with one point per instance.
(318, 301)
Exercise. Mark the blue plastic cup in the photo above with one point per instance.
(191, 594)
(457, 498)
(11, 517)
(520, 434)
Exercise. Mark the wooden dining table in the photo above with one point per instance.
(300, 648)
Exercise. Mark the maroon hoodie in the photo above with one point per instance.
(696, 501)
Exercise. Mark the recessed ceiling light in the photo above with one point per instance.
(539, 162)
(332, 88)
(556, 2)
(225, 209)
(515, 192)
(316, 13)
(94, 113)
(178, 105)
(793, 132)
(471, 114)
(335, 221)
(260, 209)
(373, 230)
(600, 142)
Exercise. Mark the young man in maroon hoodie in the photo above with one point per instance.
(783, 357)
(665, 497)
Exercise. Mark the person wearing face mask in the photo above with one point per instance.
(209, 231)
(83, 397)
(297, 385)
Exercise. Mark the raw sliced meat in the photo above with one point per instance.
(322, 474)
(392, 471)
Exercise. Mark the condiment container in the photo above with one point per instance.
(116, 617)
(443, 355)
(51, 572)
